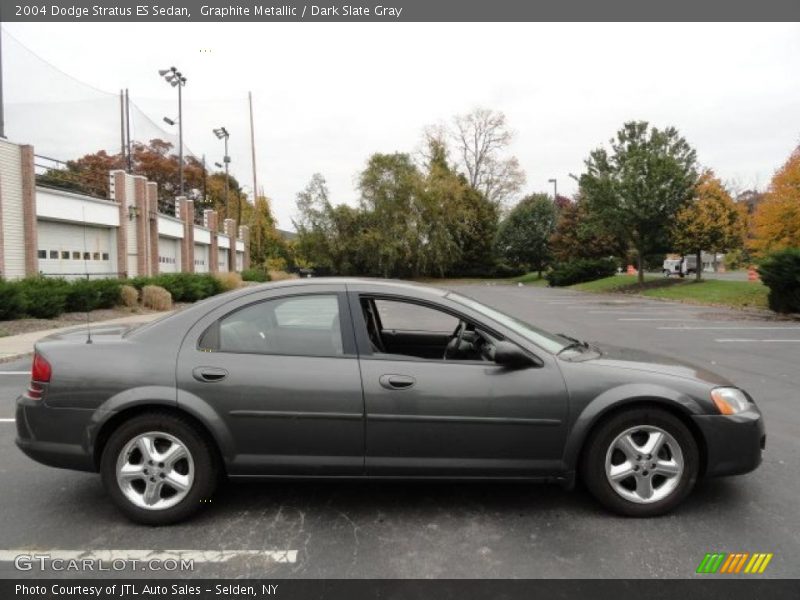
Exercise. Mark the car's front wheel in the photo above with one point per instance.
(158, 468)
(641, 462)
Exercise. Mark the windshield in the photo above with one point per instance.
(549, 341)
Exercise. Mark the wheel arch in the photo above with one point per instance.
(587, 424)
(111, 424)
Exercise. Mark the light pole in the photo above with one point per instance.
(176, 79)
(223, 134)
(555, 189)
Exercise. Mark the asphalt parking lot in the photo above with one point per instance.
(342, 530)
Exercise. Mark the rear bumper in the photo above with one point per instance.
(52, 436)
(734, 444)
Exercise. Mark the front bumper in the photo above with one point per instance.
(734, 443)
(53, 436)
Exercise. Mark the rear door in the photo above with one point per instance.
(278, 372)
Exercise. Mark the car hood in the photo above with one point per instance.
(640, 360)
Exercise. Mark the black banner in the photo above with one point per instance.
(399, 10)
(391, 589)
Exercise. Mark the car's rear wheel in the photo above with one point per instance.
(641, 462)
(158, 468)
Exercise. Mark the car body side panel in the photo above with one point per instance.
(596, 389)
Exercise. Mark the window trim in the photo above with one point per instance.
(345, 323)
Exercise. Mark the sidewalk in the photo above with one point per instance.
(17, 346)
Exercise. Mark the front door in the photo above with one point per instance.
(431, 416)
(279, 372)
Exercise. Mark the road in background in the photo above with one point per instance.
(375, 529)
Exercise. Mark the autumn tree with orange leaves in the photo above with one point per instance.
(711, 221)
(776, 222)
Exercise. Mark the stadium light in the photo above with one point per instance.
(176, 79)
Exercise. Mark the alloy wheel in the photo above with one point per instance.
(155, 470)
(644, 464)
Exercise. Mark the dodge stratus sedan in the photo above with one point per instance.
(349, 378)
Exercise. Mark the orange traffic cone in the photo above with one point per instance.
(752, 274)
(631, 270)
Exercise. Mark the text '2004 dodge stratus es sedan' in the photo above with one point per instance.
(357, 378)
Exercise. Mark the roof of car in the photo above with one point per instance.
(376, 284)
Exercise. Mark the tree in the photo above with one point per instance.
(776, 222)
(481, 139)
(390, 188)
(575, 236)
(711, 221)
(523, 237)
(635, 191)
(265, 241)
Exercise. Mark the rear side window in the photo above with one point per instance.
(295, 326)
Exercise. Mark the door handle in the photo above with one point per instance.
(209, 374)
(397, 382)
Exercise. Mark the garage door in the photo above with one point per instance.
(222, 263)
(72, 250)
(201, 258)
(169, 255)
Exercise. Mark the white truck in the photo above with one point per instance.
(681, 267)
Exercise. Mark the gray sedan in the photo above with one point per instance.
(352, 378)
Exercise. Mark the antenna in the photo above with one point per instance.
(86, 270)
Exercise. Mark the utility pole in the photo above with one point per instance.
(253, 146)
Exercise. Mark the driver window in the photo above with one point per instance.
(402, 328)
(404, 316)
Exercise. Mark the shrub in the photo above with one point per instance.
(581, 270)
(12, 304)
(184, 287)
(43, 298)
(255, 274)
(129, 295)
(280, 275)
(84, 295)
(156, 297)
(780, 272)
(229, 281)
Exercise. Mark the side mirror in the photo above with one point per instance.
(511, 355)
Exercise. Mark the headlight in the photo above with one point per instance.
(729, 401)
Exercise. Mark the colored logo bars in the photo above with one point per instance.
(734, 562)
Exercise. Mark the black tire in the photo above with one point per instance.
(205, 464)
(593, 461)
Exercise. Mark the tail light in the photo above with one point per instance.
(40, 374)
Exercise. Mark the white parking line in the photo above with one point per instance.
(108, 556)
(7, 420)
(732, 327)
(652, 319)
(15, 372)
(746, 340)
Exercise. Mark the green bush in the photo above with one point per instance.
(780, 272)
(84, 295)
(43, 298)
(184, 287)
(256, 274)
(581, 270)
(12, 304)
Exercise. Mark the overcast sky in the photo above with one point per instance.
(328, 95)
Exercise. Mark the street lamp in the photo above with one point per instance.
(223, 134)
(555, 189)
(176, 79)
